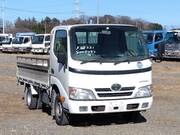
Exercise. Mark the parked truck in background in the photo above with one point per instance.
(7, 45)
(92, 69)
(171, 46)
(154, 38)
(41, 43)
(5, 39)
(22, 44)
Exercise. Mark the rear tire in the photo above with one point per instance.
(31, 100)
(60, 116)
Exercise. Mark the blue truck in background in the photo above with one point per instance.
(153, 39)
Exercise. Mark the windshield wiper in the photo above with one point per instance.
(118, 62)
(87, 61)
(99, 59)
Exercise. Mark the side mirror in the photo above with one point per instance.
(61, 58)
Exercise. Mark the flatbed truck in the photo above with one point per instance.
(91, 69)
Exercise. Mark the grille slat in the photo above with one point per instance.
(102, 89)
(114, 94)
(127, 88)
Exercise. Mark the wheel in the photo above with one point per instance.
(31, 100)
(60, 116)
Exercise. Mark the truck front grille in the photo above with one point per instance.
(107, 92)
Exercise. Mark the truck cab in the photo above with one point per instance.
(41, 43)
(171, 45)
(22, 44)
(154, 39)
(7, 45)
(101, 68)
(5, 39)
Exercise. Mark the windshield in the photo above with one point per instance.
(7, 41)
(107, 44)
(38, 39)
(18, 40)
(148, 37)
(2, 38)
(172, 37)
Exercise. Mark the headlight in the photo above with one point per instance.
(145, 91)
(81, 94)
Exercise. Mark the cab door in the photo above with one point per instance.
(59, 59)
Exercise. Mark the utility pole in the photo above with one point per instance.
(97, 11)
(77, 8)
(3, 9)
(45, 27)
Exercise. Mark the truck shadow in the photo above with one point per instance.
(106, 119)
(171, 59)
(102, 119)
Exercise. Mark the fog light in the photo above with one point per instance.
(145, 105)
(83, 108)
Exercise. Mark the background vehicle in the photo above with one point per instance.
(7, 45)
(153, 39)
(5, 38)
(171, 45)
(22, 44)
(91, 69)
(41, 43)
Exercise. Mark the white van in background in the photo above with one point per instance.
(22, 44)
(41, 43)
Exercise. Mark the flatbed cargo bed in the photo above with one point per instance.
(33, 70)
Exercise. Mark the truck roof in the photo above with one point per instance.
(42, 34)
(77, 25)
(154, 31)
(6, 34)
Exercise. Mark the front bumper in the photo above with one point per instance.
(109, 106)
(8, 50)
(37, 50)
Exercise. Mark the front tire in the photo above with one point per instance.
(60, 116)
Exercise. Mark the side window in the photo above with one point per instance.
(26, 40)
(47, 38)
(60, 42)
(158, 37)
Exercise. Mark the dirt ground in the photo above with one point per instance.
(162, 119)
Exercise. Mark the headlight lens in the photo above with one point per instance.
(81, 94)
(145, 91)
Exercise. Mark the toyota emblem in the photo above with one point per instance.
(116, 87)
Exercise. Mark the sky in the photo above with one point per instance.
(165, 12)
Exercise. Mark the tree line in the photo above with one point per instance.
(46, 24)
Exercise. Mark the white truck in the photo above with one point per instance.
(41, 43)
(7, 45)
(5, 39)
(22, 44)
(91, 69)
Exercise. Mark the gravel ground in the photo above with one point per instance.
(162, 119)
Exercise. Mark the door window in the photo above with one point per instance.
(158, 37)
(60, 42)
